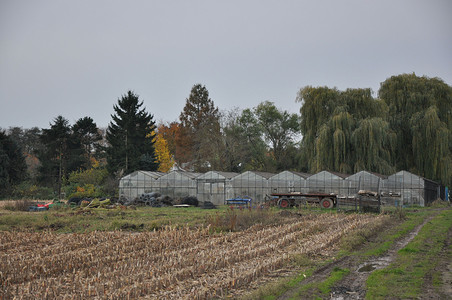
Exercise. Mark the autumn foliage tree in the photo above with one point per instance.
(200, 130)
(164, 157)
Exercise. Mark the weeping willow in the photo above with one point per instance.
(431, 140)
(420, 113)
(409, 127)
(329, 119)
(373, 142)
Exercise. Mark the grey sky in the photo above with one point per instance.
(76, 58)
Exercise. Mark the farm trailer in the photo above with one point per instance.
(286, 200)
(364, 201)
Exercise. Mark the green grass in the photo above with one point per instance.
(273, 290)
(416, 262)
(387, 239)
(358, 244)
(67, 219)
(322, 289)
(64, 220)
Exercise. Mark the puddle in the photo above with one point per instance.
(367, 268)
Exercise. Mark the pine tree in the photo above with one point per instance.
(86, 133)
(130, 137)
(58, 155)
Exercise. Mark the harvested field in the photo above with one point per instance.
(166, 264)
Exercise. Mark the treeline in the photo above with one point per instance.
(408, 126)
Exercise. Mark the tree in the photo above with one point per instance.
(420, 112)
(12, 163)
(344, 131)
(56, 155)
(130, 137)
(164, 157)
(85, 132)
(279, 130)
(29, 141)
(169, 132)
(200, 129)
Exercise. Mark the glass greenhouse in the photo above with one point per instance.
(251, 184)
(215, 186)
(401, 188)
(327, 182)
(288, 182)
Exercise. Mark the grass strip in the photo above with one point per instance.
(385, 241)
(406, 276)
(320, 289)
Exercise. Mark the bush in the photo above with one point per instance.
(87, 183)
(29, 190)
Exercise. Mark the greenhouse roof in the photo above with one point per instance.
(225, 175)
(361, 173)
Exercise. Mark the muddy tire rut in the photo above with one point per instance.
(353, 285)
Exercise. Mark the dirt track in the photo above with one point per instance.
(353, 285)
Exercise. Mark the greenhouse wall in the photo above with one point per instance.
(176, 184)
(251, 184)
(137, 183)
(327, 182)
(400, 189)
(215, 186)
(363, 180)
(403, 189)
(288, 182)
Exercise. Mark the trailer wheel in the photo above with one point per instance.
(284, 203)
(326, 203)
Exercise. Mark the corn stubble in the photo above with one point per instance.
(165, 264)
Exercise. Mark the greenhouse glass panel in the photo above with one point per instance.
(177, 184)
(251, 184)
(288, 182)
(363, 180)
(403, 188)
(137, 183)
(327, 182)
(214, 186)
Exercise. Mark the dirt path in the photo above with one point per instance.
(352, 286)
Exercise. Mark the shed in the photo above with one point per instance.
(253, 184)
(215, 186)
(136, 183)
(288, 181)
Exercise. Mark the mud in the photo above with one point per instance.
(353, 285)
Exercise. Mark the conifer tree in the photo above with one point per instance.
(12, 163)
(131, 137)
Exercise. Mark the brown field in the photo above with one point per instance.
(166, 264)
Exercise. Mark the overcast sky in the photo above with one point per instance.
(76, 58)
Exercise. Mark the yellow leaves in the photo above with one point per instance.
(164, 157)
